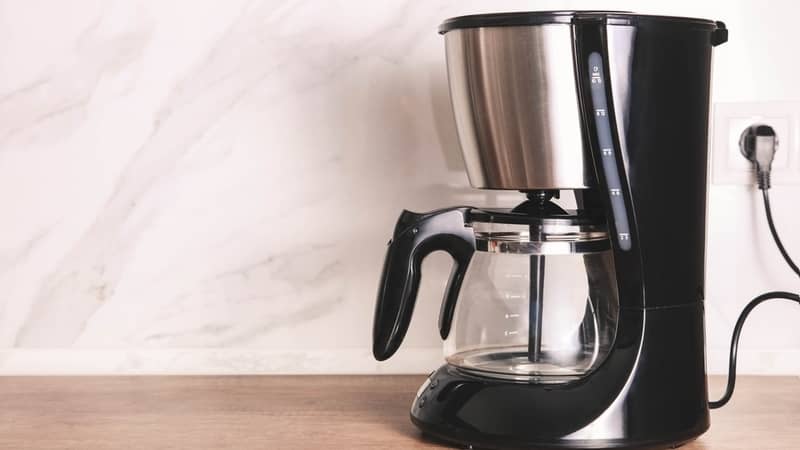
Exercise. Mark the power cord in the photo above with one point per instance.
(758, 144)
(737, 331)
(775, 236)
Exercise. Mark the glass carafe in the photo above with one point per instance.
(538, 301)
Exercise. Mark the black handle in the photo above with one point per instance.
(415, 237)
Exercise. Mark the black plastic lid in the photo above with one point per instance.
(514, 19)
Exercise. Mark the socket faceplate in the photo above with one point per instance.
(729, 166)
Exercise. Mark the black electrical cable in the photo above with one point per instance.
(774, 232)
(761, 156)
(737, 331)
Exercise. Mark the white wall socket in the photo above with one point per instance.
(730, 119)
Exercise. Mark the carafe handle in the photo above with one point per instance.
(415, 237)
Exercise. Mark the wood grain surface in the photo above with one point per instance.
(295, 412)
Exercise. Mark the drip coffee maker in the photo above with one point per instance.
(568, 328)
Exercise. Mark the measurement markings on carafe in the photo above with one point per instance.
(516, 275)
(604, 140)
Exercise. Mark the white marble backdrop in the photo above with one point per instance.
(206, 186)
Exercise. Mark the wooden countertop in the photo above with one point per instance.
(295, 412)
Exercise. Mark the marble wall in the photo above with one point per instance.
(208, 187)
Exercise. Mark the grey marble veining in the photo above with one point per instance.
(209, 186)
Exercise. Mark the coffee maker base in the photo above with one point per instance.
(576, 445)
(472, 412)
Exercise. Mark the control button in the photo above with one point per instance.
(596, 75)
(433, 384)
(422, 401)
(422, 388)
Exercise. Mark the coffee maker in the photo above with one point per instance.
(568, 328)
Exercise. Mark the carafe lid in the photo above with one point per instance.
(564, 232)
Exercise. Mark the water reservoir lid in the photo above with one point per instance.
(515, 19)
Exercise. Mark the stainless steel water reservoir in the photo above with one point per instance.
(516, 107)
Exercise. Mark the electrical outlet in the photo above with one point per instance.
(729, 166)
